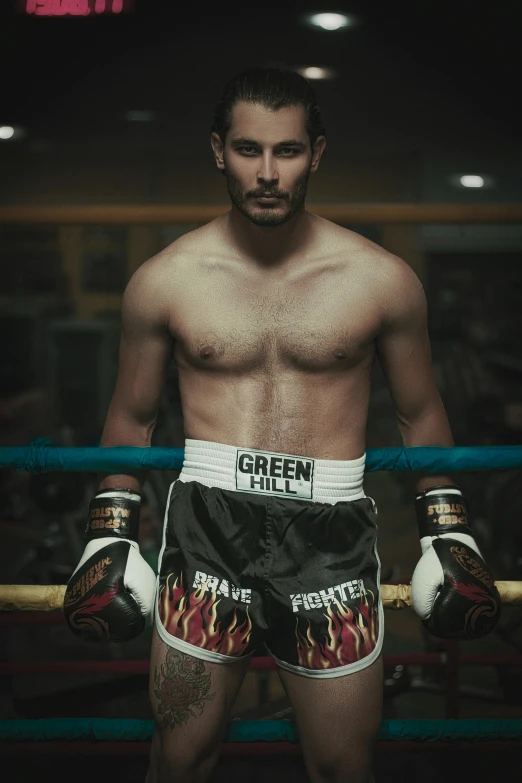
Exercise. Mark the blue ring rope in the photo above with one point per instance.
(132, 730)
(40, 457)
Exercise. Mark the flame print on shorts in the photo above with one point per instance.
(352, 635)
(192, 616)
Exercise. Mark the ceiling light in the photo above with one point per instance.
(472, 181)
(12, 132)
(330, 22)
(315, 72)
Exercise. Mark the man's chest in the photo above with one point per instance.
(312, 323)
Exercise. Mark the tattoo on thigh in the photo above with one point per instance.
(181, 686)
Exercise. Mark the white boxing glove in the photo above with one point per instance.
(452, 589)
(110, 595)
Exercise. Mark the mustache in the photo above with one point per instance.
(266, 193)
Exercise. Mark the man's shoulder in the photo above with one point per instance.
(398, 289)
(359, 251)
(395, 287)
(172, 262)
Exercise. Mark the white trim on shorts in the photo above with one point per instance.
(197, 652)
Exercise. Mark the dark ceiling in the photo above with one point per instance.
(424, 74)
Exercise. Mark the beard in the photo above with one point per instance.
(267, 216)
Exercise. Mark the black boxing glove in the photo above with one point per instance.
(111, 593)
(452, 589)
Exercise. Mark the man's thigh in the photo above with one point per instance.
(338, 719)
(191, 700)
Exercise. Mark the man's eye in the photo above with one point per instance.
(286, 151)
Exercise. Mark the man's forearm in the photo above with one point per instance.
(119, 431)
(432, 429)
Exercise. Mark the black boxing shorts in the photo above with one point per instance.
(271, 549)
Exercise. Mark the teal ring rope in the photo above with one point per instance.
(131, 730)
(41, 457)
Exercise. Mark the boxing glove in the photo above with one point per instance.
(110, 595)
(452, 589)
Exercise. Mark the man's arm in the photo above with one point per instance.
(452, 588)
(404, 353)
(110, 595)
(145, 351)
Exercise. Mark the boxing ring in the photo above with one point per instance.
(272, 738)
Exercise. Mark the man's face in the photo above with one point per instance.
(267, 160)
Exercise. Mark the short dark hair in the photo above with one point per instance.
(273, 87)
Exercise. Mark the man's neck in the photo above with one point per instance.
(270, 246)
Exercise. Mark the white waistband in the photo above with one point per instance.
(215, 465)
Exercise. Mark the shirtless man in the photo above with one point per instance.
(274, 317)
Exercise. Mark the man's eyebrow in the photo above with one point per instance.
(291, 143)
(254, 143)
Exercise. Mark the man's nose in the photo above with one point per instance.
(268, 169)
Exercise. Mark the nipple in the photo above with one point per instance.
(206, 352)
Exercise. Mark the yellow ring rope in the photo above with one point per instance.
(46, 598)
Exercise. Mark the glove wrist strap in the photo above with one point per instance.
(442, 510)
(114, 513)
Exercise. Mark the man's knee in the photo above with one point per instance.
(180, 762)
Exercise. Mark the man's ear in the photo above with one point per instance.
(218, 148)
(317, 152)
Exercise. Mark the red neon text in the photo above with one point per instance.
(76, 7)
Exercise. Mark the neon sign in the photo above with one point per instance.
(76, 7)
